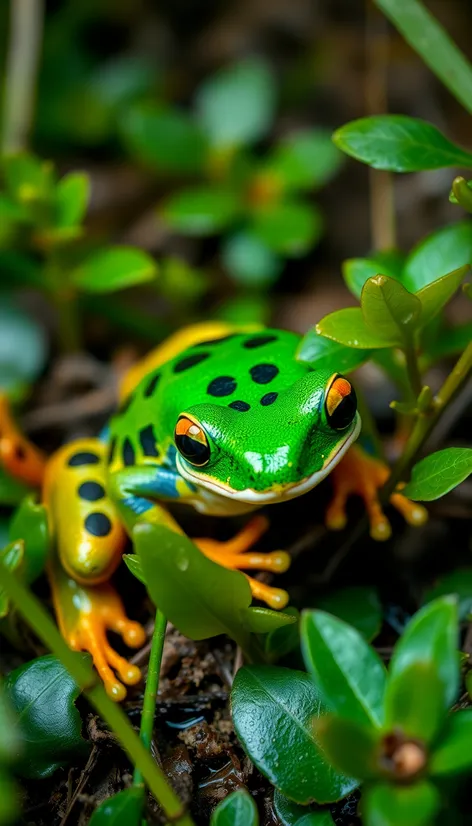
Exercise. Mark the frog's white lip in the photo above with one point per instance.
(279, 494)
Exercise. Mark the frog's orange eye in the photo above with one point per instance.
(191, 442)
(340, 403)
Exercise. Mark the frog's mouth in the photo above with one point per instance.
(211, 490)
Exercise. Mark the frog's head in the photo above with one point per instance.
(272, 450)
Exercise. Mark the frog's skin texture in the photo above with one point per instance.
(223, 419)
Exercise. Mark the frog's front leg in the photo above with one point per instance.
(88, 542)
(364, 475)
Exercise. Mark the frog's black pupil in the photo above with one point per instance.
(344, 414)
(195, 452)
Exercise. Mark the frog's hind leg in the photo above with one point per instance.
(89, 540)
(18, 456)
(236, 553)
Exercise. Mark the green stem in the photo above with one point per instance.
(413, 370)
(68, 323)
(152, 686)
(26, 27)
(39, 620)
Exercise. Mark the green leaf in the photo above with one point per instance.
(202, 599)
(12, 557)
(288, 812)
(9, 805)
(237, 105)
(164, 138)
(43, 695)
(316, 819)
(348, 671)
(451, 341)
(72, 197)
(29, 523)
(453, 755)
(440, 253)
(273, 710)
(359, 606)
(323, 352)
(133, 563)
(430, 639)
(414, 702)
(123, 809)
(436, 295)
(458, 583)
(12, 491)
(249, 261)
(289, 227)
(263, 620)
(283, 640)
(348, 327)
(350, 747)
(237, 809)
(201, 210)
(461, 193)
(356, 271)
(28, 178)
(10, 740)
(438, 473)
(17, 269)
(304, 160)
(389, 805)
(389, 309)
(114, 268)
(399, 143)
(23, 346)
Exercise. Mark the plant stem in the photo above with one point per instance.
(39, 620)
(413, 370)
(26, 27)
(68, 325)
(152, 686)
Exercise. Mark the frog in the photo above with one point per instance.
(223, 418)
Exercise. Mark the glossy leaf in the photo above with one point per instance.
(414, 701)
(12, 557)
(430, 638)
(288, 227)
(436, 295)
(304, 160)
(164, 138)
(453, 755)
(461, 193)
(202, 599)
(237, 809)
(23, 346)
(201, 211)
(348, 327)
(123, 809)
(399, 144)
(43, 695)
(324, 352)
(316, 819)
(114, 268)
(389, 309)
(72, 197)
(29, 523)
(388, 805)
(273, 710)
(288, 812)
(349, 673)
(459, 583)
(237, 105)
(356, 271)
(249, 261)
(350, 747)
(359, 606)
(440, 253)
(263, 620)
(438, 473)
(282, 641)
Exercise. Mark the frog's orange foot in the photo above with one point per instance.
(236, 553)
(361, 474)
(101, 610)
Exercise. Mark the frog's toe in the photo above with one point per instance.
(413, 513)
(275, 598)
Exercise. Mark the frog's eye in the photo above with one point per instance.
(192, 442)
(340, 403)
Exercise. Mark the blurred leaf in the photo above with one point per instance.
(72, 197)
(164, 138)
(201, 210)
(180, 281)
(351, 747)
(10, 740)
(387, 805)
(121, 80)
(459, 583)
(323, 353)
(389, 309)
(12, 491)
(237, 105)
(349, 673)
(122, 809)
(304, 160)
(282, 641)
(237, 809)
(438, 254)
(348, 327)
(399, 143)
(114, 268)
(9, 805)
(249, 261)
(12, 557)
(263, 620)
(29, 523)
(359, 606)
(414, 702)
(11, 215)
(273, 710)
(23, 346)
(356, 271)
(28, 178)
(438, 473)
(435, 295)
(290, 227)
(43, 695)
(452, 754)
(18, 269)
(245, 309)
(451, 341)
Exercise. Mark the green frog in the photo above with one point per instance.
(221, 418)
